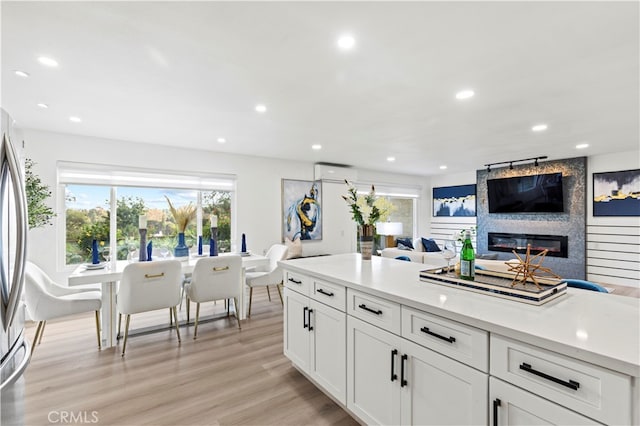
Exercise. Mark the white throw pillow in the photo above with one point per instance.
(294, 248)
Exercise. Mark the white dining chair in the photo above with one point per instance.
(269, 274)
(47, 300)
(215, 278)
(148, 286)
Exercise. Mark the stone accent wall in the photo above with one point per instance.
(571, 223)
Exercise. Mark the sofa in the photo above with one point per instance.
(418, 254)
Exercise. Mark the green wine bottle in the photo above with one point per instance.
(467, 259)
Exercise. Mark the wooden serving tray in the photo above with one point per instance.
(498, 284)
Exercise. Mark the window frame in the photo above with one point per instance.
(108, 176)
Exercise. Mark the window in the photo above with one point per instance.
(93, 193)
(404, 198)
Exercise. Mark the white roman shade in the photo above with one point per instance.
(110, 175)
(390, 190)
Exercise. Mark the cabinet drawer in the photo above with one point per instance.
(330, 294)
(374, 310)
(596, 392)
(298, 282)
(465, 344)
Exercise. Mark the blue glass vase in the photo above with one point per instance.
(181, 250)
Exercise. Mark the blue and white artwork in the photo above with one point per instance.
(454, 200)
(301, 210)
(616, 193)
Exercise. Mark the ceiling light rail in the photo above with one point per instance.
(511, 162)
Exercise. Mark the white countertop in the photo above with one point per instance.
(603, 329)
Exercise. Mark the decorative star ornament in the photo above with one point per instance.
(528, 268)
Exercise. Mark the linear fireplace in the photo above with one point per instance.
(556, 244)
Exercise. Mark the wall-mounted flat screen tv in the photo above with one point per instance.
(526, 194)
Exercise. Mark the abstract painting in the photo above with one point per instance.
(454, 200)
(616, 193)
(301, 210)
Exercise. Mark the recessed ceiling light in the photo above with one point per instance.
(443, 167)
(539, 128)
(465, 94)
(391, 159)
(221, 140)
(44, 106)
(21, 73)
(346, 42)
(75, 119)
(47, 61)
(261, 108)
(582, 146)
(316, 146)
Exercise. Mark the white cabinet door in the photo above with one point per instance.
(296, 328)
(440, 391)
(328, 349)
(510, 405)
(373, 373)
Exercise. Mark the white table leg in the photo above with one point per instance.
(109, 314)
(243, 302)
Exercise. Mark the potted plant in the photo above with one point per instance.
(183, 217)
(367, 210)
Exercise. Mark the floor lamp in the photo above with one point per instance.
(390, 230)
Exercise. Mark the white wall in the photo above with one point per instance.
(258, 190)
(613, 243)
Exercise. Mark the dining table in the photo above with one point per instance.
(110, 273)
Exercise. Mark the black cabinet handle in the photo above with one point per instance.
(321, 291)
(403, 381)
(310, 326)
(373, 311)
(496, 404)
(572, 384)
(394, 376)
(295, 281)
(304, 317)
(449, 339)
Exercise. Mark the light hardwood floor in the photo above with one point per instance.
(225, 377)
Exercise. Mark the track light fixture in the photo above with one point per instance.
(510, 163)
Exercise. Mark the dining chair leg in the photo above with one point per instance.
(98, 330)
(195, 328)
(126, 333)
(170, 317)
(44, 323)
(188, 303)
(268, 293)
(36, 337)
(227, 302)
(235, 308)
(175, 316)
(280, 294)
(119, 326)
(250, 297)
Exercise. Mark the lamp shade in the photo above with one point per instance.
(389, 228)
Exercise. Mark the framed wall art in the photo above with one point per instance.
(616, 193)
(301, 209)
(454, 200)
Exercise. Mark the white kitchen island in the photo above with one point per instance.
(393, 349)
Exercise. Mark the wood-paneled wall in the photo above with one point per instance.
(613, 253)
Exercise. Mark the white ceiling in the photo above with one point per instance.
(186, 73)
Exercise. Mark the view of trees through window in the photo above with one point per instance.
(88, 217)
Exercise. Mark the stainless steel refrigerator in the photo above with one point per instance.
(14, 348)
